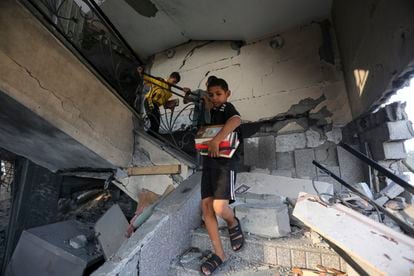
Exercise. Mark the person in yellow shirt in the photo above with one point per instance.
(158, 95)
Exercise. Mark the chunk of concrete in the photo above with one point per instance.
(392, 190)
(335, 135)
(290, 142)
(314, 138)
(363, 188)
(303, 163)
(388, 150)
(265, 220)
(280, 185)
(111, 229)
(79, 241)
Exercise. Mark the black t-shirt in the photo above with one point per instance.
(219, 116)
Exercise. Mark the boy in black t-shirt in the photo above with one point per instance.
(217, 184)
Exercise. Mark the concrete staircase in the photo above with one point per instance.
(260, 256)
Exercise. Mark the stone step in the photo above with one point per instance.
(293, 251)
(189, 264)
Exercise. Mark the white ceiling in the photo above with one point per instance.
(151, 26)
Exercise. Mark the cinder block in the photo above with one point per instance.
(290, 142)
(283, 257)
(298, 258)
(251, 151)
(327, 155)
(285, 160)
(313, 259)
(303, 163)
(390, 131)
(388, 150)
(265, 220)
(331, 261)
(351, 167)
(260, 152)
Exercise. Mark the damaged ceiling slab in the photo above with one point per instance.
(178, 21)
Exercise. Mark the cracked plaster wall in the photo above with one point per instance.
(46, 78)
(376, 38)
(265, 82)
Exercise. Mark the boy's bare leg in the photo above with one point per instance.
(210, 221)
(221, 208)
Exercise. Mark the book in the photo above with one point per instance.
(227, 147)
(224, 152)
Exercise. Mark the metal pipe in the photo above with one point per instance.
(404, 226)
(407, 186)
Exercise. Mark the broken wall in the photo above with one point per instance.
(78, 122)
(265, 81)
(375, 39)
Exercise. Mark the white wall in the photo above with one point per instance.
(264, 82)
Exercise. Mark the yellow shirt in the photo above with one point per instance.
(159, 91)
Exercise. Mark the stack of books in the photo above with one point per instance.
(227, 147)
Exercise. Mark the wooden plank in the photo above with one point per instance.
(377, 248)
(155, 170)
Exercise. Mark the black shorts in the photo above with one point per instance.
(218, 183)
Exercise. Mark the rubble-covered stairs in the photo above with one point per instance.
(260, 255)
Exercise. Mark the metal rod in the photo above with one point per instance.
(404, 226)
(407, 186)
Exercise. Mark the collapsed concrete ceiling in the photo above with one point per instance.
(152, 26)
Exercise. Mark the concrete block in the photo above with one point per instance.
(290, 142)
(298, 258)
(390, 131)
(388, 150)
(303, 163)
(267, 152)
(251, 151)
(335, 135)
(283, 257)
(260, 152)
(285, 160)
(266, 220)
(279, 185)
(314, 138)
(327, 155)
(392, 190)
(351, 167)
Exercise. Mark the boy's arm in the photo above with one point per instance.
(230, 125)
